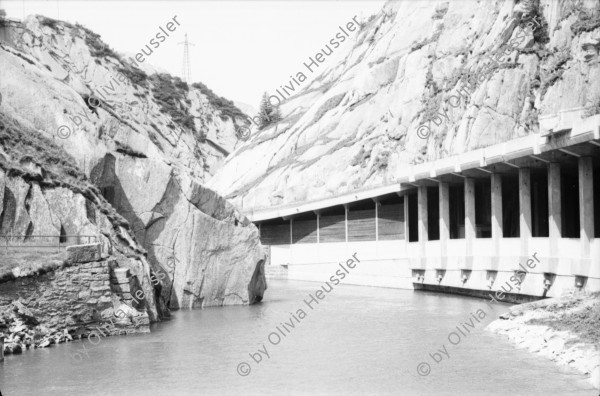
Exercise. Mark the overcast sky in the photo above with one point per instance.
(242, 48)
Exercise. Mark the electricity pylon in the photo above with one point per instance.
(186, 72)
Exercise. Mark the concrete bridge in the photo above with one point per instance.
(519, 216)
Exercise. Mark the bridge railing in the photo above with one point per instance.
(15, 243)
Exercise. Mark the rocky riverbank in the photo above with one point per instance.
(565, 330)
(25, 332)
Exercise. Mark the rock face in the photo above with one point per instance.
(209, 252)
(105, 104)
(148, 143)
(415, 84)
(38, 215)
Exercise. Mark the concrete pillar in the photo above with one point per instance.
(376, 220)
(291, 241)
(346, 209)
(422, 214)
(586, 204)
(346, 221)
(469, 208)
(554, 211)
(422, 224)
(405, 198)
(444, 221)
(318, 227)
(469, 220)
(444, 197)
(376, 227)
(496, 191)
(525, 210)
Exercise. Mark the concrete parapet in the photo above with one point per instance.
(84, 253)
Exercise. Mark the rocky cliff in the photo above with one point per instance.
(43, 196)
(416, 83)
(146, 144)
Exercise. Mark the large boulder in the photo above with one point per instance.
(203, 250)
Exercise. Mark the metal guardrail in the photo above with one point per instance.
(19, 242)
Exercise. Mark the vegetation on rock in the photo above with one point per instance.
(30, 261)
(225, 106)
(267, 114)
(587, 21)
(171, 94)
(21, 146)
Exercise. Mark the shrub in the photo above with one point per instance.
(51, 23)
(225, 106)
(592, 110)
(135, 75)
(171, 94)
(588, 20)
(555, 69)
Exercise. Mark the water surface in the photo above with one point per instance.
(356, 341)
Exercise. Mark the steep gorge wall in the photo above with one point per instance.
(359, 123)
(42, 194)
(145, 151)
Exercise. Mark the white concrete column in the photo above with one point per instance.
(376, 220)
(405, 198)
(346, 209)
(469, 220)
(346, 221)
(318, 227)
(376, 201)
(496, 191)
(291, 244)
(586, 204)
(422, 214)
(525, 210)
(444, 195)
(554, 211)
(318, 214)
(423, 225)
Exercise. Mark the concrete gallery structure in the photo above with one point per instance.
(465, 224)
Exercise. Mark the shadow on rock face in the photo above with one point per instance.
(258, 284)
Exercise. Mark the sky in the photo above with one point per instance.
(241, 48)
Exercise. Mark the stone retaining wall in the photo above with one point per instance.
(76, 294)
(68, 302)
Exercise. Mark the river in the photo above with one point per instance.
(355, 341)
